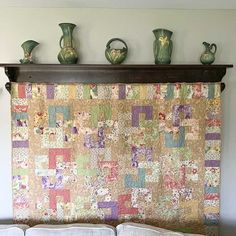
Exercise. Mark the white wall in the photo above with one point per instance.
(95, 28)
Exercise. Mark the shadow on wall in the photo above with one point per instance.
(228, 229)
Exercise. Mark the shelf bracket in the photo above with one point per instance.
(8, 86)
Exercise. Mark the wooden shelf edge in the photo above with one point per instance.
(121, 66)
(105, 73)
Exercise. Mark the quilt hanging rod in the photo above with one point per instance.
(8, 86)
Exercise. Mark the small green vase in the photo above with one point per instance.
(68, 54)
(162, 46)
(28, 47)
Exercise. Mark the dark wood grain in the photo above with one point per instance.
(57, 73)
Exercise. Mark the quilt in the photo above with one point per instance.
(110, 153)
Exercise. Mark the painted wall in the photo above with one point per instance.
(95, 28)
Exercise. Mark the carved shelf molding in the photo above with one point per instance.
(96, 73)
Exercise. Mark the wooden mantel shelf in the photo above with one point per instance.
(96, 73)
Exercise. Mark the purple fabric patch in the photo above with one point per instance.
(114, 209)
(212, 136)
(58, 184)
(136, 110)
(50, 91)
(177, 109)
(20, 144)
(138, 151)
(212, 163)
(90, 143)
(121, 91)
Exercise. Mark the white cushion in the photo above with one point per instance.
(13, 230)
(134, 229)
(72, 230)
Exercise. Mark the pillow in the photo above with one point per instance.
(134, 229)
(72, 230)
(13, 230)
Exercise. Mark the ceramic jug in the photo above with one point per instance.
(162, 46)
(208, 56)
(68, 54)
(28, 47)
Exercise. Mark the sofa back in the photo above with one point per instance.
(134, 229)
(125, 229)
(13, 230)
(72, 230)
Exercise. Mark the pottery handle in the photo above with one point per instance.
(61, 41)
(116, 39)
(215, 48)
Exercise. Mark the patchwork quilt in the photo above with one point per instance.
(147, 153)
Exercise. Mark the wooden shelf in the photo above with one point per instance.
(96, 73)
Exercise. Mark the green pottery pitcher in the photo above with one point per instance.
(28, 47)
(208, 56)
(162, 46)
(68, 54)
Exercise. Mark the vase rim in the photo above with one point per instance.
(162, 29)
(64, 23)
(30, 41)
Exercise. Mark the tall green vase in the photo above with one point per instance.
(162, 46)
(68, 54)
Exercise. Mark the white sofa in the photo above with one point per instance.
(125, 229)
(133, 229)
(71, 230)
(10, 230)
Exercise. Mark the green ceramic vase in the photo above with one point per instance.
(208, 56)
(28, 47)
(68, 54)
(162, 46)
(115, 55)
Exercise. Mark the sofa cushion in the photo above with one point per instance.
(13, 230)
(71, 230)
(135, 229)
